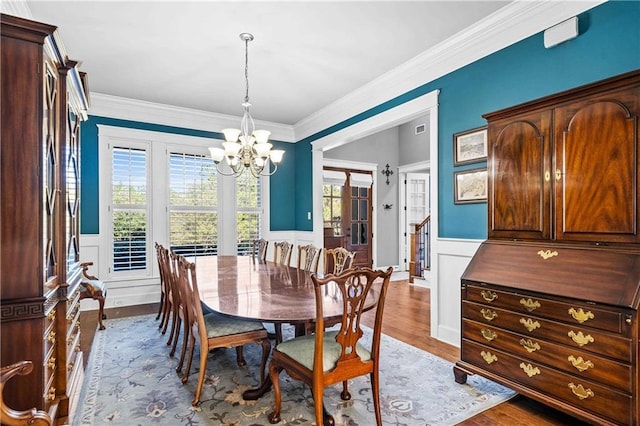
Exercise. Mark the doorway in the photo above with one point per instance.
(347, 212)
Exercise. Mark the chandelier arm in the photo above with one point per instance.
(223, 173)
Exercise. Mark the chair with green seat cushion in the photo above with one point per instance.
(215, 330)
(326, 358)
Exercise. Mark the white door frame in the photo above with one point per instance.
(423, 166)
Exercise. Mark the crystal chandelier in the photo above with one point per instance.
(247, 148)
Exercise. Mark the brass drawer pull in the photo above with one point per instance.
(580, 338)
(51, 363)
(529, 369)
(488, 314)
(51, 394)
(51, 338)
(529, 324)
(489, 296)
(580, 315)
(547, 254)
(529, 345)
(581, 392)
(489, 334)
(530, 305)
(579, 363)
(488, 357)
(51, 315)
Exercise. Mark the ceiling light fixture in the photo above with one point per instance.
(247, 148)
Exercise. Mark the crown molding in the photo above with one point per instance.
(168, 115)
(510, 24)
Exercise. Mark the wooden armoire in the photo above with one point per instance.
(43, 101)
(550, 300)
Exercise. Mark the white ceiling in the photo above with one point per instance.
(305, 56)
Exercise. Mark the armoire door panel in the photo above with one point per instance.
(519, 207)
(597, 141)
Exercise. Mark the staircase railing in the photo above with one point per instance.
(420, 249)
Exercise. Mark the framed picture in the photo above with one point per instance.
(470, 186)
(470, 146)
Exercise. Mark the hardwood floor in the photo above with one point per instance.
(406, 318)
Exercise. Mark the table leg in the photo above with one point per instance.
(253, 394)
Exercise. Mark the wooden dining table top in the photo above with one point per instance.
(244, 287)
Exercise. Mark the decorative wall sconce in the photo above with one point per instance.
(387, 172)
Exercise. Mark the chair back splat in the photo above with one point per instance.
(282, 252)
(338, 260)
(260, 249)
(333, 356)
(308, 258)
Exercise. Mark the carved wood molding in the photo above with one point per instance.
(22, 310)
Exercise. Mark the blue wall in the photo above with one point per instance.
(608, 44)
(89, 213)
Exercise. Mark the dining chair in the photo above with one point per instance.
(11, 416)
(282, 252)
(337, 260)
(215, 330)
(328, 357)
(260, 249)
(164, 302)
(308, 258)
(176, 308)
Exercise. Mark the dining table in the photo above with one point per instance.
(245, 287)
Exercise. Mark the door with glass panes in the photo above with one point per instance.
(347, 214)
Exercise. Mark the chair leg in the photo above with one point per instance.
(240, 356)
(345, 395)
(274, 375)
(101, 311)
(278, 328)
(203, 373)
(161, 307)
(174, 316)
(183, 350)
(165, 317)
(375, 390)
(176, 337)
(318, 405)
(192, 344)
(266, 350)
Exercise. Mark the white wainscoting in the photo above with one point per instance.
(450, 258)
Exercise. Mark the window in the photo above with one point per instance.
(332, 209)
(129, 213)
(164, 188)
(193, 200)
(248, 212)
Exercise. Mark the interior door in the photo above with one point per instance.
(359, 233)
(418, 201)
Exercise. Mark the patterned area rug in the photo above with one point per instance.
(131, 380)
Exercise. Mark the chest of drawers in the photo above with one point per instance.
(562, 329)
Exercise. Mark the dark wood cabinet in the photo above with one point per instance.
(42, 104)
(565, 167)
(550, 301)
